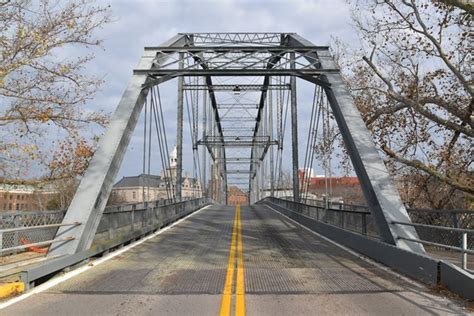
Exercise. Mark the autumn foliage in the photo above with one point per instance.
(412, 82)
(46, 129)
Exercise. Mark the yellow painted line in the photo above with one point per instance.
(240, 289)
(236, 252)
(10, 289)
(227, 294)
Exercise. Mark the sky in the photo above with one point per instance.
(141, 23)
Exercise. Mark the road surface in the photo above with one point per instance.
(198, 266)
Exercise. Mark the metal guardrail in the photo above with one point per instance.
(426, 268)
(40, 244)
(336, 205)
(441, 229)
(15, 232)
(120, 220)
(127, 223)
(463, 249)
(21, 230)
(359, 221)
(451, 218)
(27, 244)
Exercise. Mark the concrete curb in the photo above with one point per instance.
(456, 279)
(419, 267)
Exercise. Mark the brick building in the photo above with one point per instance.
(347, 189)
(24, 198)
(236, 196)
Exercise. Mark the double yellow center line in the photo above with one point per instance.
(235, 246)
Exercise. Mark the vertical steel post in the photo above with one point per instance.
(179, 132)
(216, 165)
(464, 248)
(294, 131)
(270, 123)
(250, 176)
(224, 179)
(213, 163)
(144, 147)
(364, 224)
(16, 236)
(254, 186)
(132, 218)
(204, 149)
(263, 178)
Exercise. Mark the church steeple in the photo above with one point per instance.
(173, 158)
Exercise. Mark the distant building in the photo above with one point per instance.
(144, 187)
(137, 189)
(345, 189)
(236, 196)
(24, 198)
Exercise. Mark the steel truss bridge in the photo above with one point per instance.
(274, 256)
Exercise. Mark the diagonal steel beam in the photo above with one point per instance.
(380, 193)
(93, 192)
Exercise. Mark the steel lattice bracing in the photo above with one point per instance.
(244, 128)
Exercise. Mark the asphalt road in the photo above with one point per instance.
(287, 270)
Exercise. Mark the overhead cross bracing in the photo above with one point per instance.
(238, 91)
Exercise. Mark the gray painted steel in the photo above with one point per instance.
(294, 133)
(288, 271)
(219, 49)
(89, 202)
(417, 266)
(380, 193)
(457, 279)
(118, 225)
(233, 72)
(92, 194)
(179, 133)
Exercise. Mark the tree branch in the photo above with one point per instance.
(416, 106)
(421, 166)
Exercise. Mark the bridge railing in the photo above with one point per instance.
(444, 233)
(439, 269)
(20, 229)
(132, 219)
(119, 226)
(35, 230)
(354, 218)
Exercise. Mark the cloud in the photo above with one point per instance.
(149, 22)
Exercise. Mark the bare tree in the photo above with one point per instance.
(466, 5)
(64, 192)
(412, 82)
(44, 88)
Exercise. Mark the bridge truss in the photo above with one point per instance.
(245, 86)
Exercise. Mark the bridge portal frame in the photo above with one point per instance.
(382, 197)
